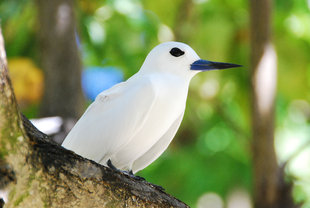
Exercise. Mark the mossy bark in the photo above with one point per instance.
(47, 175)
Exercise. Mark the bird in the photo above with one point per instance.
(131, 124)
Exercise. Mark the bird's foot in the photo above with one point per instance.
(140, 178)
(143, 179)
(130, 173)
(135, 176)
(110, 165)
(160, 188)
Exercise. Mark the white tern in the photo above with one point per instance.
(131, 124)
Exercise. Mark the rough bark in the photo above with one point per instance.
(270, 189)
(60, 59)
(47, 175)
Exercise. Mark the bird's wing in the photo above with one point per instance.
(112, 119)
(158, 148)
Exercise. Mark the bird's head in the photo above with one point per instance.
(179, 59)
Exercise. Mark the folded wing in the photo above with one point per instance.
(112, 120)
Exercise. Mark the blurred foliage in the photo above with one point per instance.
(211, 152)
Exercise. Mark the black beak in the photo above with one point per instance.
(204, 65)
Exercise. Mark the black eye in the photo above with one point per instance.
(176, 52)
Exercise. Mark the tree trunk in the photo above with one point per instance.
(47, 175)
(60, 59)
(270, 190)
(181, 31)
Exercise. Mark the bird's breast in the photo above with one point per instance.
(169, 104)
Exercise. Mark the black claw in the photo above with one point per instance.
(130, 173)
(109, 163)
(158, 187)
(138, 178)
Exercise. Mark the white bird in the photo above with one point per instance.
(131, 124)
